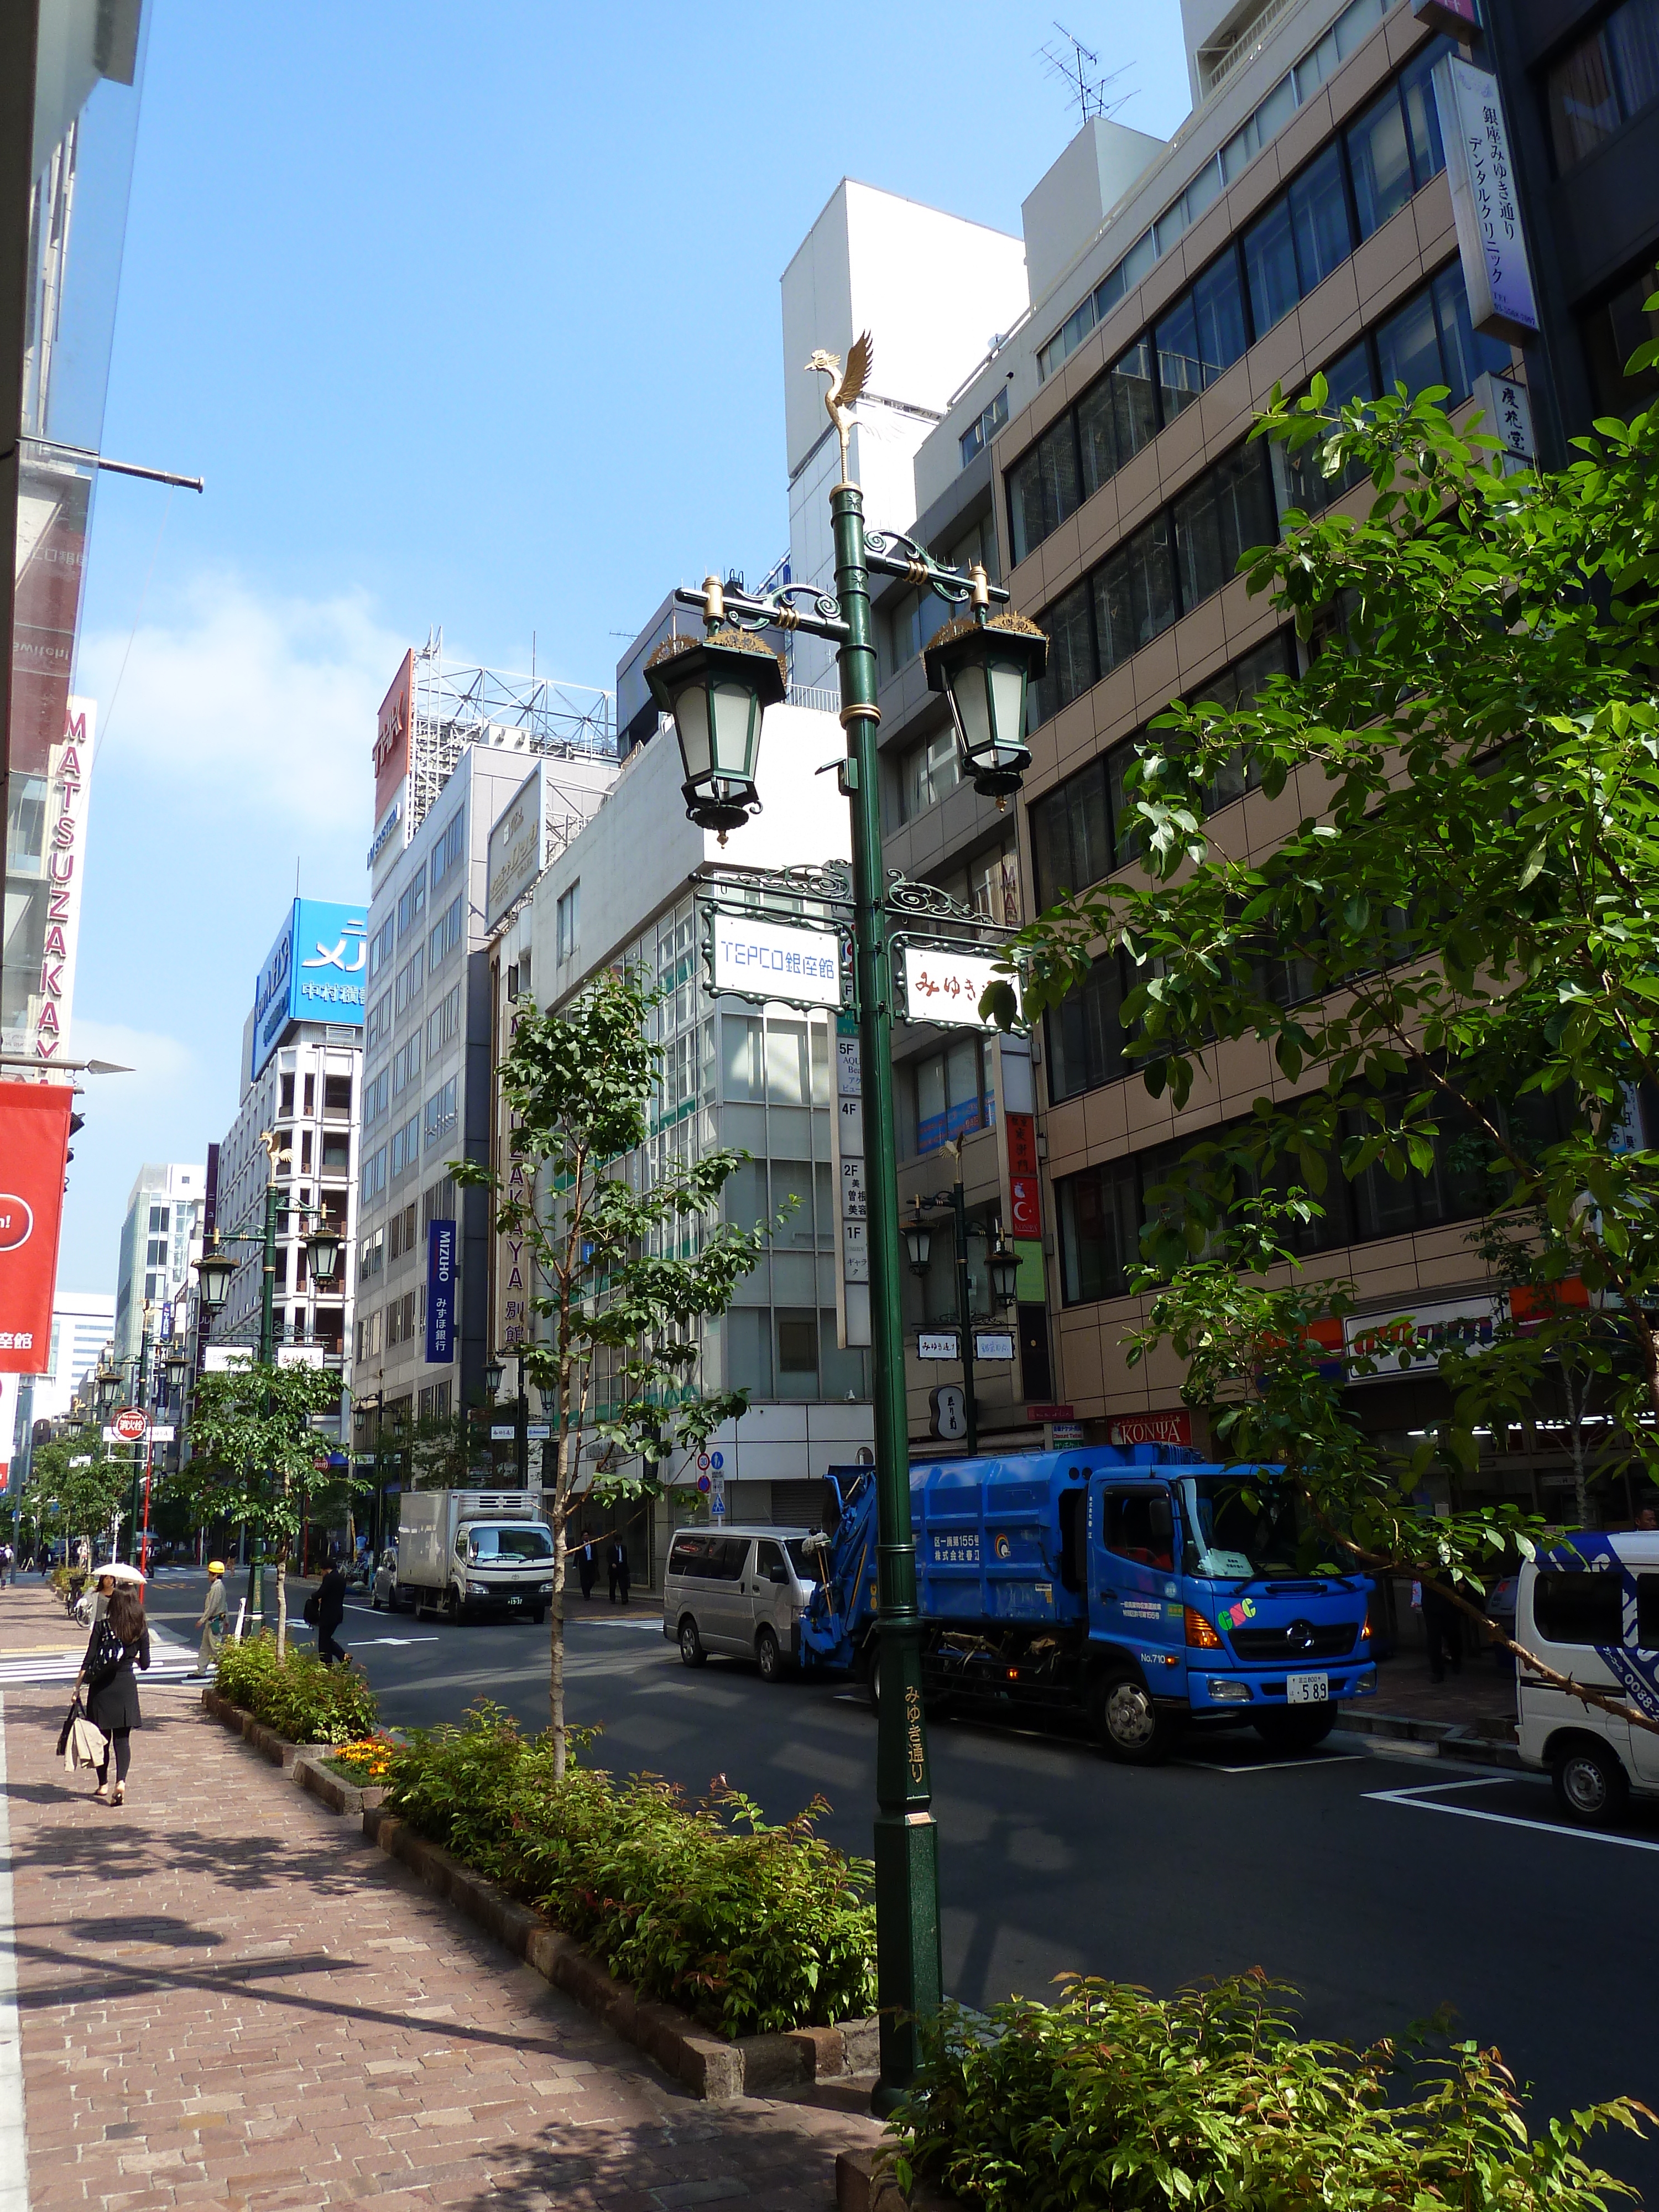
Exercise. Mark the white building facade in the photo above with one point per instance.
(735, 1072)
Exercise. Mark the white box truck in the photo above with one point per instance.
(474, 1551)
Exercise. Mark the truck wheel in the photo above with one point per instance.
(1295, 1731)
(452, 1606)
(769, 1656)
(1129, 1724)
(1590, 1787)
(691, 1651)
(540, 1615)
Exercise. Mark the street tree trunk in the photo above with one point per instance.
(555, 1610)
(281, 1604)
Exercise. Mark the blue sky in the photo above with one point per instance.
(468, 317)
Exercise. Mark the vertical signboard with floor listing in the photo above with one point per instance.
(35, 1118)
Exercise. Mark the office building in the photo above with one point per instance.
(738, 1072)
(1301, 220)
(454, 748)
(163, 1221)
(302, 1075)
(70, 77)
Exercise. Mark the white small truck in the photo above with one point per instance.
(467, 1552)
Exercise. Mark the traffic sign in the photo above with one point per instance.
(704, 1485)
(702, 1462)
(717, 1459)
(130, 1425)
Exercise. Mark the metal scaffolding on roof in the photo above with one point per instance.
(455, 707)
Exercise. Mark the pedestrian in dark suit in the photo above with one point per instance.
(617, 1563)
(330, 1611)
(587, 1567)
(1442, 1629)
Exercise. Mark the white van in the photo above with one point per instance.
(741, 1591)
(1591, 1608)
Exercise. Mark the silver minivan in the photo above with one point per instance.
(741, 1591)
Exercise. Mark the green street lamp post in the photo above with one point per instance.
(215, 1271)
(717, 691)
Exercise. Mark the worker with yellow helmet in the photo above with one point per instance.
(211, 1620)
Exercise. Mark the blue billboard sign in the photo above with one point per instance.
(314, 973)
(440, 1292)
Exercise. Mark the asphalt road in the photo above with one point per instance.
(1381, 1885)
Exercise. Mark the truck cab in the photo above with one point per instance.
(1204, 1605)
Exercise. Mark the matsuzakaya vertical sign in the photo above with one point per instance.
(1481, 169)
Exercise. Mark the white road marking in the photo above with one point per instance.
(1271, 1766)
(365, 1642)
(1420, 1800)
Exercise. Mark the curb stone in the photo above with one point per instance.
(708, 2065)
(865, 2182)
(1448, 1739)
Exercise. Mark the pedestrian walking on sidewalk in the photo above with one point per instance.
(117, 1643)
(585, 1567)
(616, 1561)
(1441, 1629)
(211, 1618)
(330, 1611)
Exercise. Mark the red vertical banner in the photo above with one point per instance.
(35, 1118)
(1024, 1189)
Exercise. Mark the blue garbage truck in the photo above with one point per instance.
(1141, 1587)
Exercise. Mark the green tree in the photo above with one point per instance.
(253, 1453)
(76, 1485)
(622, 1275)
(1454, 947)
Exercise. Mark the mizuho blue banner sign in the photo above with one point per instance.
(314, 973)
(440, 1292)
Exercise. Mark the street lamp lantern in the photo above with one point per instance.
(178, 1368)
(109, 1384)
(985, 664)
(323, 1251)
(717, 688)
(918, 1243)
(1004, 1264)
(493, 1373)
(215, 1271)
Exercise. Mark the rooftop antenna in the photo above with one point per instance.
(1079, 71)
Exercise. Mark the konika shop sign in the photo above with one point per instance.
(1497, 273)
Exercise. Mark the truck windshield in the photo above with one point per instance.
(1241, 1527)
(509, 1544)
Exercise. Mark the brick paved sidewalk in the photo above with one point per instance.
(227, 1997)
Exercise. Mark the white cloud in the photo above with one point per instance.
(267, 703)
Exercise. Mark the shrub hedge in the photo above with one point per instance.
(750, 1927)
(298, 1697)
(1112, 2100)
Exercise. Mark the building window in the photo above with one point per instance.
(989, 882)
(1612, 333)
(336, 1094)
(928, 773)
(373, 1176)
(1303, 236)
(1086, 827)
(1603, 80)
(976, 439)
(567, 923)
(798, 1354)
(441, 1112)
(158, 1217)
(412, 904)
(1140, 588)
(446, 933)
(444, 1023)
(379, 1023)
(371, 1254)
(375, 1097)
(409, 979)
(1084, 1031)
(948, 1095)
(406, 1065)
(447, 853)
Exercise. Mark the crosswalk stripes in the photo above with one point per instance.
(171, 1666)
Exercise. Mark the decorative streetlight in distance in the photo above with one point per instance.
(1003, 1266)
(717, 693)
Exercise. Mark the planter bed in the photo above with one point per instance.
(708, 2065)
